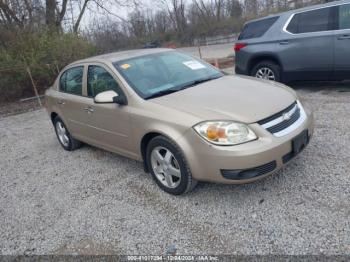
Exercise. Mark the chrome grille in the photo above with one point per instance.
(284, 121)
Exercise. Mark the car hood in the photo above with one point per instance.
(237, 98)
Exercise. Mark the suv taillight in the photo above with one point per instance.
(239, 46)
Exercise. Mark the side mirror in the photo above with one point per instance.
(110, 97)
(120, 100)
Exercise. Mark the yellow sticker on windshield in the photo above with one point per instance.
(125, 66)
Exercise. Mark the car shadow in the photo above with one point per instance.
(286, 176)
(343, 86)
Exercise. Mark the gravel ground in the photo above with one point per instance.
(94, 202)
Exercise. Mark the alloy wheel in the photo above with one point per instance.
(62, 134)
(165, 167)
(265, 73)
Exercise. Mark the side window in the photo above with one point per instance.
(99, 80)
(63, 82)
(344, 16)
(72, 80)
(311, 21)
(257, 28)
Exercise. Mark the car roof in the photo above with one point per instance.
(311, 7)
(118, 56)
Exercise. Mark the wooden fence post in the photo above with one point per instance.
(34, 86)
(199, 51)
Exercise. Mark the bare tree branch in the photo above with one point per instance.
(77, 23)
(63, 11)
(10, 14)
(108, 11)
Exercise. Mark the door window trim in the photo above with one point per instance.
(309, 10)
(115, 77)
(83, 84)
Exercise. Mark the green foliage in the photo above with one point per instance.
(45, 53)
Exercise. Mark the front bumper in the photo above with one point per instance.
(243, 163)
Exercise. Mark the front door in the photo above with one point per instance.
(342, 43)
(108, 124)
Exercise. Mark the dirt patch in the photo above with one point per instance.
(14, 108)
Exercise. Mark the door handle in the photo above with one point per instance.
(344, 37)
(89, 109)
(61, 102)
(284, 42)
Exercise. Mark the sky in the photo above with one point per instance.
(113, 9)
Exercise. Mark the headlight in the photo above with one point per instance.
(225, 133)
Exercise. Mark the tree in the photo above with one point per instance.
(234, 8)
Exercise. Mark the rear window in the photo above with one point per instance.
(257, 28)
(311, 21)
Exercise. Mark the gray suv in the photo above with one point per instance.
(312, 43)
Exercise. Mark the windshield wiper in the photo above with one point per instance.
(199, 81)
(182, 87)
(163, 93)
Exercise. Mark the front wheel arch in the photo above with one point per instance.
(152, 132)
(143, 147)
(188, 182)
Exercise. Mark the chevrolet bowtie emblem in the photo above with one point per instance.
(287, 116)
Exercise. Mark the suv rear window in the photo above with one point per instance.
(257, 28)
(312, 21)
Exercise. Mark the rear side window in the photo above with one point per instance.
(257, 28)
(312, 21)
(344, 16)
(72, 80)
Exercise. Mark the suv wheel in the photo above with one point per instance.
(64, 137)
(168, 166)
(267, 70)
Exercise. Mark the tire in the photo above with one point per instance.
(68, 142)
(183, 182)
(267, 66)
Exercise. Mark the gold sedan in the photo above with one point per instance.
(186, 120)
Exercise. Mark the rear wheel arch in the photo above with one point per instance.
(72, 143)
(263, 57)
(53, 115)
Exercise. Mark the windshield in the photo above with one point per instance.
(164, 73)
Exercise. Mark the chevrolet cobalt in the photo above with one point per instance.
(183, 118)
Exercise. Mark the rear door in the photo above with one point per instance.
(71, 101)
(342, 43)
(307, 45)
